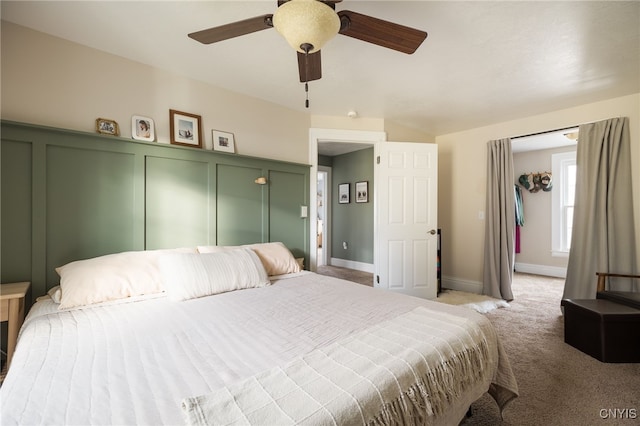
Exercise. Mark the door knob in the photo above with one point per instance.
(432, 232)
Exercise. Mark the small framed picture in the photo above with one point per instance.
(223, 141)
(186, 129)
(362, 192)
(107, 127)
(343, 193)
(142, 129)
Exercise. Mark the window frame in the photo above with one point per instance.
(560, 163)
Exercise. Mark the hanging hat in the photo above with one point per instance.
(546, 182)
(537, 185)
(525, 182)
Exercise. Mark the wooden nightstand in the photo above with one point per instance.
(12, 310)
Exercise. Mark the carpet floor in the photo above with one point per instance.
(559, 385)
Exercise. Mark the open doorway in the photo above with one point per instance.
(323, 240)
(542, 240)
(321, 141)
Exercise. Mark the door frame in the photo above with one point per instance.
(317, 135)
(326, 232)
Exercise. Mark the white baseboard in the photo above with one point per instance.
(549, 271)
(352, 264)
(462, 285)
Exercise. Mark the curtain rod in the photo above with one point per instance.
(545, 132)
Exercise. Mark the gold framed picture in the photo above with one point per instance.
(186, 129)
(107, 127)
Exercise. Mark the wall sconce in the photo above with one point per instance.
(261, 180)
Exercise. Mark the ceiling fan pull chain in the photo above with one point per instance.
(306, 89)
(306, 47)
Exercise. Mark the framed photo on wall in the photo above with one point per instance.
(142, 128)
(186, 129)
(343, 193)
(107, 127)
(223, 141)
(362, 192)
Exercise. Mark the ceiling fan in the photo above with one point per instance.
(308, 24)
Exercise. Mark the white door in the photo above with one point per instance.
(406, 217)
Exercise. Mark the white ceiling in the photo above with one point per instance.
(482, 63)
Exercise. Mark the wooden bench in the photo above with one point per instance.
(606, 330)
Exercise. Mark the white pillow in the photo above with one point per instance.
(275, 257)
(187, 276)
(111, 277)
(55, 293)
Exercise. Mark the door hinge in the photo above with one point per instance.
(378, 159)
(378, 279)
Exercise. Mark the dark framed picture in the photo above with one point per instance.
(186, 129)
(142, 128)
(343, 193)
(223, 141)
(107, 127)
(362, 192)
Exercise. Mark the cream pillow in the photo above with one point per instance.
(55, 293)
(187, 276)
(111, 277)
(275, 257)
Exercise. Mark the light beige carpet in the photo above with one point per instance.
(559, 385)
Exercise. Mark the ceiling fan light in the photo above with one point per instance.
(571, 136)
(306, 22)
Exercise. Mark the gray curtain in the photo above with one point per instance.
(500, 223)
(603, 238)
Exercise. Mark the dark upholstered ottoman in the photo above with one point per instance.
(606, 330)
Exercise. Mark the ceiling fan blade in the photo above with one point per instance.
(309, 66)
(382, 33)
(233, 29)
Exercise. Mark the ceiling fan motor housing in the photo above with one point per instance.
(306, 22)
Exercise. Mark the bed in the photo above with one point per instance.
(216, 343)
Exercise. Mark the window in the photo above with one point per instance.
(564, 190)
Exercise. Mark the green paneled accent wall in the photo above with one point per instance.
(16, 210)
(241, 205)
(90, 195)
(352, 222)
(69, 195)
(285, 224)
(178, 205)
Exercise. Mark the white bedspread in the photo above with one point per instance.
(134, 363)
(400, 371)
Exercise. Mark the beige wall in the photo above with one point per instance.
(462, 179)
(535, 235)
(394, 131)
(50, 81)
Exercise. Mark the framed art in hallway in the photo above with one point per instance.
(362, 192)
(186, 129)
(343, 193)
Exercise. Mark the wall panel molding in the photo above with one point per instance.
(69, 195)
